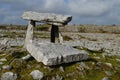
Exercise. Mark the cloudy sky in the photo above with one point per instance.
(83, 11)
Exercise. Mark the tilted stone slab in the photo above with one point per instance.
(54, 54)
(49, 18)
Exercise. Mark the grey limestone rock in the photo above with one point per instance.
(3, 59)
(84, 65)
(50, 18)
(4, 42)
(6, 67)
(9, 76)
(108, 73)
(37, 75)
(54, 54)
(61, 69)
(109, 65)
(26, 57)
(57, 77)
(106, 78)
(3, 47)
(1, 63)
(70, 74)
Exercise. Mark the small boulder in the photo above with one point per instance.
(98, 58)
(70, 74)
(7, 67)
(84, 65)
(108, 73)
(118, 60)
(61, 69)
(106, 78)
(109, 65)
(26, 57)
(9, 76)
(57, 77)
(1, 63)
(3, 47)
(4, 42)
(3, 59)
(37, 75)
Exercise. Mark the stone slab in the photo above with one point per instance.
(49, 18)
(54, 54)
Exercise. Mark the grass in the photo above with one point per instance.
(72, 71)
(13, 34)
(97, 74)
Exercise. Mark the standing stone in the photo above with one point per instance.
(9, 76)
(60, 37)
(29, 35)
(54, 33)
(37, 75)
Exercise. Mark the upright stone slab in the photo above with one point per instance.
(29, 34)
(54, 33)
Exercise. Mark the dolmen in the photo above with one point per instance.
(51, 53)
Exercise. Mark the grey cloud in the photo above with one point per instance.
(90, 7)
(83, 11)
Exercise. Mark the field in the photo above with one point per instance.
(101, 42)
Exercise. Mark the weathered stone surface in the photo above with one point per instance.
(4, 42)
(9, 76)
(83, 65)
(52, 18)
(29, 35)
(37, 75)
(53, 54)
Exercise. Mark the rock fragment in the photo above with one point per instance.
(9, 76)
(6, 67)
(37, 75)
